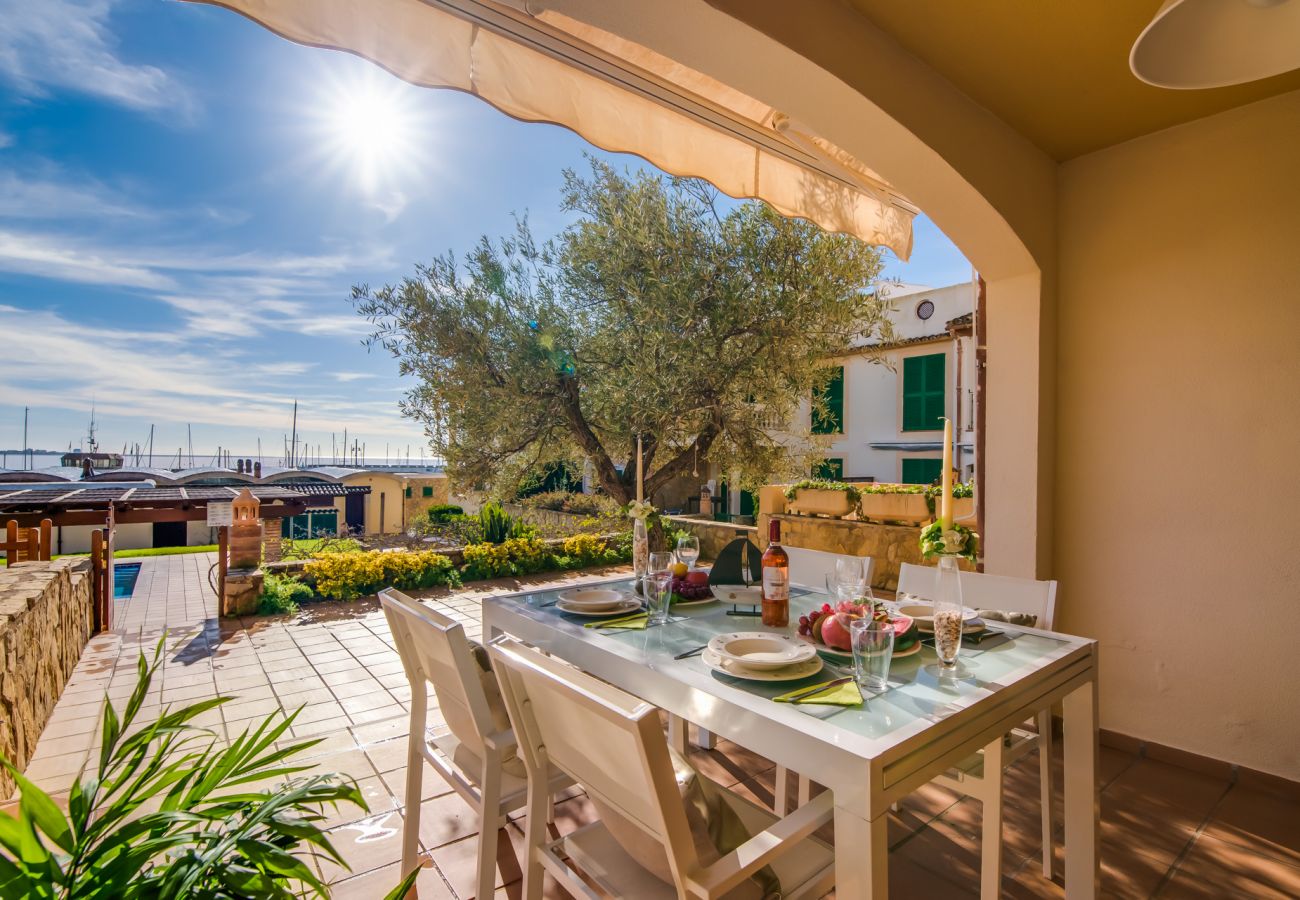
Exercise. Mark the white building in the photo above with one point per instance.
(885, 416)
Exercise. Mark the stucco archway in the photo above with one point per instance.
(987, 187)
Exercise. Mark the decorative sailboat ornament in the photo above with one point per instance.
(736, 576)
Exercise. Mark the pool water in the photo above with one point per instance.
(124, 576)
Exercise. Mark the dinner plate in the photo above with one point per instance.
(761, 649)
(593, 598)
(847, 655)
(922, 611)
(628, 605)
(786, 673)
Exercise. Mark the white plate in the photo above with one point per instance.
(628, 605)
(921, 610)
(789, 673)
(738, 593)
(761, 649)
(847, 656)
(593, 598)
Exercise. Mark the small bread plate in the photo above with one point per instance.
(761, 649)
(629, 605)
(699, 602)
(847, 656)
(592, 599)
(786, 673)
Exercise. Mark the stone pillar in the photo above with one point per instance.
(243, 584)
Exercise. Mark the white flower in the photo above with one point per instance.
(953, 541)
(639, 509)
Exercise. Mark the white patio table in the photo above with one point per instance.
(868, 757)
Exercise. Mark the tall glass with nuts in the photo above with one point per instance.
(947, 611)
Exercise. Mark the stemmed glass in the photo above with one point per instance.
(661, 581)
(848, 581)
(948, 612)
(688, 549)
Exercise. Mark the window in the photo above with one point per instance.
(832, 421)
(924, 378)
(426, 491)
(924, 309)
(921, 471)
(829, 469)
(408, 493)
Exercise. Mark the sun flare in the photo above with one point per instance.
(370, 128)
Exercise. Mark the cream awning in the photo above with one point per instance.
(620, 96)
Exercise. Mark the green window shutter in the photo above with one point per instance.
(833, 420)
(427, 491)
(829, 470)
(921, 471)
(924, 384)
(408, 493)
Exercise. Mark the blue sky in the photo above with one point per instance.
(186, 200)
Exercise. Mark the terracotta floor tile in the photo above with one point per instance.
(1168, 787)
(458, 862)
(377, 883)
(1263, 822)
(366, 844)
(446, 819)
(1215, 869)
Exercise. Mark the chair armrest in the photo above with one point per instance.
(778, 838)
(500, 741)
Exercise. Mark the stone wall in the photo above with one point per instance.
(713, 535)
(46, 618)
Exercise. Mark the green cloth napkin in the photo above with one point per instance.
(846, 694)
(636, 621)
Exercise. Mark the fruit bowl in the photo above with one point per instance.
(693, 587)
(829, 626)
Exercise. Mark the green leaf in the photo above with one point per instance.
(404, 887)
(37, 806)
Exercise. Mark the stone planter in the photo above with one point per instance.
(909, 508)
(813, 502)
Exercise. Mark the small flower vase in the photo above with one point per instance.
(640, 552)
(948, 610)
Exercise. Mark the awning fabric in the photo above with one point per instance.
(541, 66)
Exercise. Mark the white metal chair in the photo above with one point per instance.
(613, 744)
(477, 758)
(970, 777)
(811, 567)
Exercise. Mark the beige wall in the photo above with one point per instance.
(417, 505)
(387, 487)
(1178, 382)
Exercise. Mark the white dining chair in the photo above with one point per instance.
(810, 567)
(971, 777)
(477, 758)
(650, 843)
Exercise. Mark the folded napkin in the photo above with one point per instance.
(846, 694)
(634, 621)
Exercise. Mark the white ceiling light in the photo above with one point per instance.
(1194, 44)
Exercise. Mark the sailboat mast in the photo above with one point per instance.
(151, 445)
(26, 456)
(294, 443)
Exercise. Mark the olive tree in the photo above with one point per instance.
(662, 311)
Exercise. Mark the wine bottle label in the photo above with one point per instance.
(776, 585)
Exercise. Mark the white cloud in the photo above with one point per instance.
(69, 45)
(157, 377)
(6, 140)
(347, 377)
(35, 197)
(47, 258)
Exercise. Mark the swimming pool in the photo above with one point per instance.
(124, 576)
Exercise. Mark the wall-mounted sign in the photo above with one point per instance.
(219, 514)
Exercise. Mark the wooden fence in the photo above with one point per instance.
(26, 544)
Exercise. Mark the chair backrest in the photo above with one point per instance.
(607, 740)
(981, 591)
(434, 650)
(810, 567)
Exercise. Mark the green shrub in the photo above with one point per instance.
(165, 808)
(514, 556)
(282, 594)
(441, 513)
(499, 526)
(346, 576)
(821, 484)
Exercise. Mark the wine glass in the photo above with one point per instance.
(688, 549)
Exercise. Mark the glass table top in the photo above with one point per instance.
(919, 692)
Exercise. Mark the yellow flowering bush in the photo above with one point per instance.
(346, 576)
(517, 556)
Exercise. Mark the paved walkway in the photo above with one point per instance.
(1166, 831)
